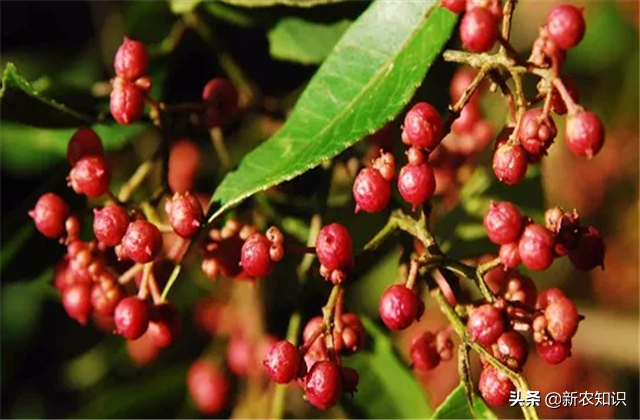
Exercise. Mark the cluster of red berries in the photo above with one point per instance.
(131, 84)
(222, 250)
(428, 349)
(536, 246)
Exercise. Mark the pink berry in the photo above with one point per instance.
(255, 258)
(510, 164)
(460, 81)
(553, 352)
(164, 325)
(185, 214)
(127, 102)
(76, 300)
(283, 362)
(335, 247)
(478, 30)
(456, 6)
(495, 387)
(492, 6)
(511, 349)
(184, 163)
(520, 288)
(509, 255)
(416, 184)
(353, 334)
(132, 60)
(90, 176)
(50, 215)
(536, 247)
(323, 385)
(562, 320)
(371, 191)
(131, 317)
(398, 307)
(208, 386)
(84, 142)
(549, 296)
(485, 324)
(142, 242)
(221, 99)
(502, 222)
(536, 133)
(423, 126)
(240, 355)
(566, 25)
(105, 296)
(469, 117)
(589, 251)
(584, 134)
(110, 224)
(423, 351)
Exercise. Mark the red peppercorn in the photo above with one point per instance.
(353, 334)
(562, 320)
(76, 299)
(283, 363)
(423, 126)
(460, 81)
(49, 215)
(142, 351)
(142, 242)
(456, 6)
(495, 387)
(536, 247)
(84, 142)
(184, 163)
(589, 251)
(208, 386)
(416, 184)
(110, 224)
(164, 325)
(350, 379)
(371, 191)
(255, 258)
(509, 255)
(398, 307)
(553, 352)
(584, 134)
(469, 117)
(485, 324)
(510, 164)
(132, 60)
(90, 176)
(423, 351)
(503, 222)
(105, 296)
(549, 296)
(323, 385)
(520, 288)
(221, 99)
(126, 102)
(131, 317)
(334, 247)
(536, 133)
(478, 30)
(185, 214)
(566, 25)
(511, 349)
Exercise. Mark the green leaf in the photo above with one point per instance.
(303, 41)
(456, 407)
(183, 6)
(14, 245)
(270, 3)
(236, 16)
(387, 389)
(365, 82)
(27, 149)
(11, 79)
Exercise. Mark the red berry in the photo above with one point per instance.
(126, 102)
(90, 176)
(562, 320)
(549, 296)
(566, 25)
(84, 142)
(371, 191)
(553, 352)
(494, 277)
(590, 250)
(511, 349)
(50, 215)
(240, 355)
(485, 324)
(423, 351)
(76, 300)
(353, 334)
(164, 325)
(208, 387)
(417, 184)
(184, 163)
(221, 98)
(509, 255)
(503, 222)
(350, 379)
(110, 224)
(283, 362)
(460, 81)
(584, 134)
(520, 288)
(536, 133)
(456, 6)
(469, 117)
(536, 247)
(398, 307)
(495, 387)
(335, 247)
(132, 60)
(478, 30)
(557, 103)
(323, 385)
(142, 242)
(423, 126)
(255, 259)
(510, 164)
(131, 317)
(185, 214)
(105, 296)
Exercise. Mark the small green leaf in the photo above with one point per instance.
(236, 16)
(183, 6)
(27, 149)
(364, 83)
(456, 407)
(303, 41)
(387, 389)
(270, 3)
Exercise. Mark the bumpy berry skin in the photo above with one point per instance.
(520, 288)
(126, 102)
(208, 387)
(503, 222)
(283, 362)
(49, 215)
(76, 300)
(562, 320)
(478, 30)
(105, 296)
(536, 247)
(584, 134)
(423, 351)
(416, 184)
(423, 126)
(371, 191)
(485, 325)
(509, 255)
(185, 214)
(566, 25)
(131, 317)
(536, 133)
(495, 388)
(510, 164)
(184, 163)
(142, 242)
(90, 176)
(398, 307)
(132, 60)
(553, 352)
(549, 296)
(511, 349)
(255, 259)
(335, 247)
(590, 250)
(323, 385)
(222, 99)
(110, 224)
(164, 325)
(84, 142)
